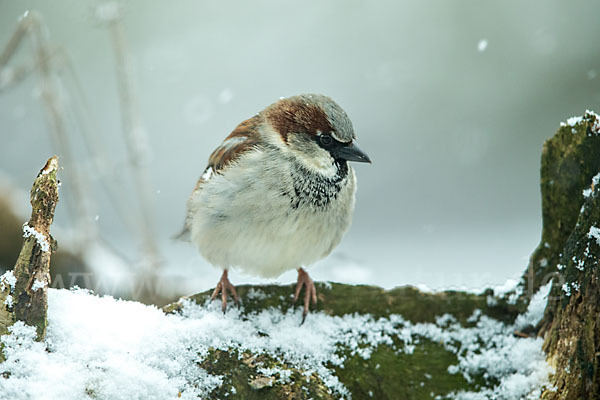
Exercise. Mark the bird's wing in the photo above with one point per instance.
(243, 138)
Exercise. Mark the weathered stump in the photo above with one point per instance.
(24, 290)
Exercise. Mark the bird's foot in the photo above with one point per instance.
(223, 286)
(309, 293)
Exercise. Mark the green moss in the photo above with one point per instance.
(389, 374)
(240, 372)
(569, 161)
(574, 327)
(340, 299)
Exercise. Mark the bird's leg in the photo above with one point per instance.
(222, 287)
(309, 293)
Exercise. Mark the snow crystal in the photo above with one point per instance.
(594, 233)
(535, 309)
(509, 286)
(225, 96)
(108, 11)
(325, 285)
(38, 285)
(118, 349)
(256, 294)
(580, 264)
(39, 237)
(8, 301)
(576, 286)
(8, 278)
(572, 121)
(482, 45)
(284, 374)
(588, 116)
(595, 180)
(491, 301)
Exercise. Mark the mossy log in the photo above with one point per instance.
(387, 374)
(24, 290)
(573, 340)
(568, 256)
(573, 316)
(569, 161)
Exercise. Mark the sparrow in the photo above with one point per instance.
(277, 194)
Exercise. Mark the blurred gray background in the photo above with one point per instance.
(451, 99)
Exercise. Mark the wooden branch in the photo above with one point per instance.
(24, 290)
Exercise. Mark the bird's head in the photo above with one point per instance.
(315, 130)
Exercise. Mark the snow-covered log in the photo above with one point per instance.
(360, 342)
(24, 290)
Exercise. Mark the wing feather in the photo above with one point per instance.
(242, 139)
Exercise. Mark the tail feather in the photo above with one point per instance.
(184, 235)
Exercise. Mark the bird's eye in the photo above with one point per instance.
(326, 140)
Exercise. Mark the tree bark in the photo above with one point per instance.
(568, 255)
(569, 161)
(572, 320)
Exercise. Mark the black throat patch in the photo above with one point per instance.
(314, 189)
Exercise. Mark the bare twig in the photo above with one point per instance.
(135, 139)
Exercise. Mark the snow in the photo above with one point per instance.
(594, 233)
(256, 294)
(38, 285)
(118, 349)
(225, 96)
(108, 11)
(8, 278)
(590, 116)
(595, 180)
(39, 237)
(573, 121)
(566, 288)
(535, 310)
(482, 45)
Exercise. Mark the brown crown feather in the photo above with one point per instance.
(295, 116)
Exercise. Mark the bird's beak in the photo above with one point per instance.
(351, 152)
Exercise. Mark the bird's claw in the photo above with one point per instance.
(223, 286)
(309, 293)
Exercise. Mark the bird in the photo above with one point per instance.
(277, 194)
